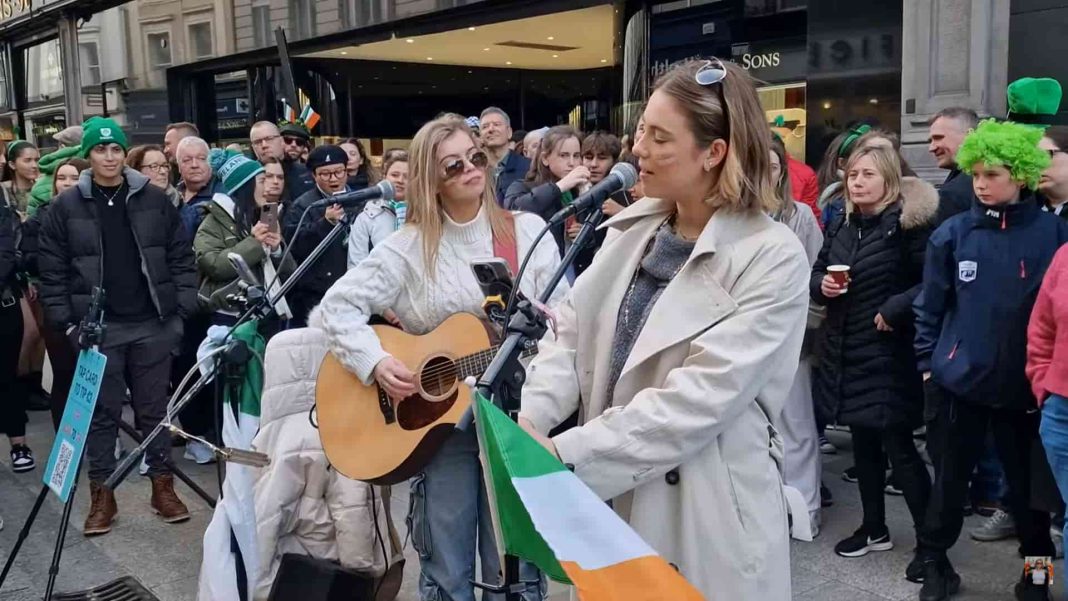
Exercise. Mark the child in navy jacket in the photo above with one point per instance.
(981, 275)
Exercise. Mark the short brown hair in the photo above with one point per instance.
(183, 125)
(135, 158)
(602, 142)
(395, 155)
(539, 172)
(1059, 135)
(730, 111)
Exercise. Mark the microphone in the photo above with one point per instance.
(357, 199)
(621, 177)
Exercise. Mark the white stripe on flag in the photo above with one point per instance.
(577, 525)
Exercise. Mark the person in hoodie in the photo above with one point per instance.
(866, 376)
(116, 231)
(70, 140)
(981, 276)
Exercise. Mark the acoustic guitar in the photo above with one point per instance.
(366, 436)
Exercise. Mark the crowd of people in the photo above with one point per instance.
(923, 320)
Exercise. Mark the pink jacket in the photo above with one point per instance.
(1047, 340)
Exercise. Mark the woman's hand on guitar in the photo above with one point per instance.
(395, 378)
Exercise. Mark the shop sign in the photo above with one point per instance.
(774, 62)
(864, 52)
(13, 8)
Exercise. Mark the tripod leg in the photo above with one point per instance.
(53, 570)
(24, 533)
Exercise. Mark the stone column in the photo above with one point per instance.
(954, 53)
(72, 71)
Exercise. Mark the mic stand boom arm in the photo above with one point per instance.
(503, 380)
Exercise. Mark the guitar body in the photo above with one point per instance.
(360, 439)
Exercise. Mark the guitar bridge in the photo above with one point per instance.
(386, 406)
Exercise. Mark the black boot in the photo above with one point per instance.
(939, 580)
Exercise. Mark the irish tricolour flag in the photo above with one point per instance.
(546, 515)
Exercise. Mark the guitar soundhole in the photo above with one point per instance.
(438, 377)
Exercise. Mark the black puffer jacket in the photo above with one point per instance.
(71, 263)
(332, 264)
(865, 377)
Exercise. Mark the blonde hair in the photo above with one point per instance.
(888, 166)
(729, 111)
(425, 212)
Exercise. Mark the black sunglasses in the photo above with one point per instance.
(455, 166)
(289, 140)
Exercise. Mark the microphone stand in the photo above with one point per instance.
(502, 382)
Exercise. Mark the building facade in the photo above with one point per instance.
(379, 68)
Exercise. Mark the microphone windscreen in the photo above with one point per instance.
(627, 174)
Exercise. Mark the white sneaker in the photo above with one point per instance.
(119, 451)
(198, 453)
(143, 470)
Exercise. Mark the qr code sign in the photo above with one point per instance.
(59, 473)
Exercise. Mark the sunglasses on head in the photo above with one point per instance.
(454, 167)
(712, 71)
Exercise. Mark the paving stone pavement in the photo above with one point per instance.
(166, 558)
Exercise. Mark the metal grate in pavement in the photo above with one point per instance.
(126, 588)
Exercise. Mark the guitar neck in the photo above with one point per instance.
(475, 364)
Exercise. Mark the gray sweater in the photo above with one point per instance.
(662, 261)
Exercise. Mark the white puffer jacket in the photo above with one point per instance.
(302, 505)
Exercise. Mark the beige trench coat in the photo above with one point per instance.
(704, 384)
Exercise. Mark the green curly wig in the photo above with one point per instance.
(1008, 144)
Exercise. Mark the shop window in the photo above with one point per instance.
(261, 26)
(200, 41)
(89, 57)
(302, 18)
(44, 73)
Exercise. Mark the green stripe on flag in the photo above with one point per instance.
(512, 453)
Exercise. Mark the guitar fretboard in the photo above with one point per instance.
(476, 363)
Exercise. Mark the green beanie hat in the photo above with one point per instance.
(101, 130)
(233, 169)
(1034, 100)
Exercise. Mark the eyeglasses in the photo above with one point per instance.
(265, 139)
(336, 174)
(712, 71)
(158, 167)
(455, 167)
(290, 140)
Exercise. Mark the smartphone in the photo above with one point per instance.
(269, 216)
(495, 279)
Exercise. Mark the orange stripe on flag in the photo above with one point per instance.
(647, 578)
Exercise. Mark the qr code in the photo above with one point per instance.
(59, 473)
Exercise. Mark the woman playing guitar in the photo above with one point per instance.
(691, 319)
(423, 273)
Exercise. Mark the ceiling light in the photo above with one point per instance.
(410, 41)
(556, 56)
(485, 50)
(430, 58)
(550, 38)
(344, 52)
(826, 105)
(507, 62)
(604, 60)
(873, 100)
(470, 29)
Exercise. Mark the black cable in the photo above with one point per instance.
(381, 541)
(510, 307)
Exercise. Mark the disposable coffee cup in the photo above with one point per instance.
(840, 275)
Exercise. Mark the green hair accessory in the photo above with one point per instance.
(851, 140)
(1011, 145)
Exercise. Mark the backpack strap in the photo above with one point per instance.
(508, 251)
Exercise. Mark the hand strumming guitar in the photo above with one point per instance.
(395, 378)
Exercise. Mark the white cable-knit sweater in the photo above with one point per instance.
(394, 277)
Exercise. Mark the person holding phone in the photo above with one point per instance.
(243, 222)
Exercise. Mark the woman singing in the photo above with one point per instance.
(423, 273)
(679, 343)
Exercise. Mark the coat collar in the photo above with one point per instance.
(134, 179)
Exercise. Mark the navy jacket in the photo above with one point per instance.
(955, 196)
(513, 168)
(981, 275)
